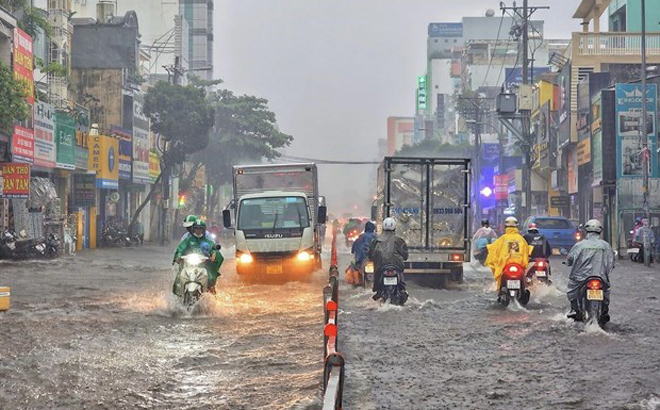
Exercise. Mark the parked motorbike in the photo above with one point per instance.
(193, 279)
(591, 302)
(539, 271)
(513, 285)
(18, 247)
(8, 244)
(115, 236)
(392, 286)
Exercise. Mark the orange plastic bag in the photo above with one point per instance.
(352, 275)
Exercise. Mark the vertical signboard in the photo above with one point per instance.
(140, 143)
(501, 187)
(23, 58)
(629, 146)
(421, 93)
(124, 137)
(154, 166)
(44, 136)
(596, 140)
(65, 134)
(104, 159)
(22, 145)
(572, 170)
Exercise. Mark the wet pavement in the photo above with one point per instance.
(100, 331)
(456, 349)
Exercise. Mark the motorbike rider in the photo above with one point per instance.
(200, 243)
(643, 234)
(508, 248)
(542, 248)
(482, 237)
(361, 245)
(590, 257)
(387, 249)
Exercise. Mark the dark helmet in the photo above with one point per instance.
(485, 222)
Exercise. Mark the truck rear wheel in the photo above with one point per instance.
(457, 275)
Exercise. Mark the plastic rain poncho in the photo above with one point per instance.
(483, 237)
(508, 248)
(590, 257)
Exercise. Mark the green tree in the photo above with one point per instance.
(30, 19)
(182, 116)
(13, 107)
(245, 131)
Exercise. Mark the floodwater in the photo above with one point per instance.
(456, 348)
(100, 331)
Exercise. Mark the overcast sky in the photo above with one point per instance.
(334, 70)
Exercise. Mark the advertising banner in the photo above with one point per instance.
(584, 152)
(15, 180)
(23, 66)
(596, 140)
(103, 158)
(125, 151)
(82, 158)
(154, 166)
(501, 187)
(22, 145)
(44, 136)
(629, 145)
(65, 139)
(514, 76)
(446, 30)
(572, 170)
(140, 143)
(84, 190)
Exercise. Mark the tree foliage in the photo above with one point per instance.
(13, 107)
(30, 19)
(182, 115)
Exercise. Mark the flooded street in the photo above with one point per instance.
(99, 331)
(455, 348)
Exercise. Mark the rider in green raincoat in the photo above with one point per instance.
(198, 242)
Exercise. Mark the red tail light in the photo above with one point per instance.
(578, 236)
(456, 257)
(540, 264)
(514, 271)
(594, 284)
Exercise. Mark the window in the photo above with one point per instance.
(273, 213)
(552, 223)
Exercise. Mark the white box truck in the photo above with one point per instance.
(277, 218)
(430, 200)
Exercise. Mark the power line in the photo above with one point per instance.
(492, 56)
(289, 158)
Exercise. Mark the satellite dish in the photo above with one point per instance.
(490, 13)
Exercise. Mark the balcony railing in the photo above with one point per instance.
(616, 44)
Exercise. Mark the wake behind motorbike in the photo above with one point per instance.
(392, 286)
(192, 278)
(513, 285)
(591, 302)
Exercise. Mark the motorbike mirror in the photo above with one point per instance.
(323, 214)
(218, 247)
(226, 218)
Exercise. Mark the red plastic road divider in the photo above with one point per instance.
(333, 371)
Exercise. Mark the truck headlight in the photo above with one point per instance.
(245, 258)
(304, 256)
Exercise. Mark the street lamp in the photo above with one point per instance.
(645, 139)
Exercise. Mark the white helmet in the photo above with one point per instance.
(511, 222)
(389, 224)
(593, 225)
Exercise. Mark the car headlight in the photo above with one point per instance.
(304, 256)
(245, 258)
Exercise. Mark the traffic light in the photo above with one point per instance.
(182, 201)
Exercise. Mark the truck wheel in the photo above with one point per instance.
(457, 275)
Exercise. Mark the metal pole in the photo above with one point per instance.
(527, 167)
(477, 163)
(645, 139)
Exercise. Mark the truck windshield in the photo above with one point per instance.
(273, 213)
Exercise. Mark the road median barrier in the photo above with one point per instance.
(333, 361)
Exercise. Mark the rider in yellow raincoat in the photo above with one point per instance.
(510, 247)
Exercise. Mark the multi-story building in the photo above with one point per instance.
(199, 15)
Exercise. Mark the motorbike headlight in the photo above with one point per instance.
(304, 256)
(214, 236)
(194, 259)
(245, 258)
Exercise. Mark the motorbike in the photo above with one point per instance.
(513, 285)
(351, 237)
(591, 305)
(52, 246)
(367, 273)
(540, 271)
(115, 236)
(8, 244)
(193, 279)
(392, 286)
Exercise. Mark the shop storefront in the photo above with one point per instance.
(104, 161)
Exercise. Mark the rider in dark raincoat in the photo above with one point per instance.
(590, 257)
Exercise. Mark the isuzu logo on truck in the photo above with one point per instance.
(273, 235)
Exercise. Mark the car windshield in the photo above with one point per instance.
(273, 213)
(553, 223)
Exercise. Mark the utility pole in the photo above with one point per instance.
(644, 135)
(525, 14)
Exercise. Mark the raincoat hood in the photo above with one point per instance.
(508, 248)
(369, 227)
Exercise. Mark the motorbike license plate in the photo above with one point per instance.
(390, 281)
(513, 284)
(275, 270)
(541, 273)
(556, 251)
(633, 250)
(594, 294)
